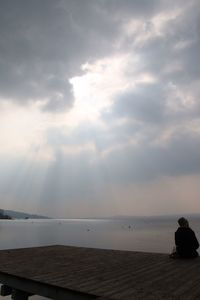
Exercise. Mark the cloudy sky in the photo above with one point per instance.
(99, 107)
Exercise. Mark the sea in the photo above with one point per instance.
(147, 234)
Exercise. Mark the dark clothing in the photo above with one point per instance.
(186, 242)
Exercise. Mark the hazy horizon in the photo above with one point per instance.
(170, 216)
(99, 107)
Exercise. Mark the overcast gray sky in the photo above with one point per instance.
(99, 107)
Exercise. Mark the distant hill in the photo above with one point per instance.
(3, 215)
(21, 215)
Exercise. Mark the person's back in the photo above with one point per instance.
(185, 240)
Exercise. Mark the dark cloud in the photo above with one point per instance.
(145, 103)
(179, 43)
(170, 57)
(129, 8)
(147, 161)
(43, 44)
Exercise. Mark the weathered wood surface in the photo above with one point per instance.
(107, 274)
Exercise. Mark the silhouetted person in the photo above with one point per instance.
(185, 240)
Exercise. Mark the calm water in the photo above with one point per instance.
(141, 234)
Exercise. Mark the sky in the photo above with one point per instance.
(99, 107)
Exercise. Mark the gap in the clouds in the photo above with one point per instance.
(95, 89)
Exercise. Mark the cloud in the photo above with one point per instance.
(43, 44)
(124, 77)
(145, 103)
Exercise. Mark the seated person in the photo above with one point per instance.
(185, 240)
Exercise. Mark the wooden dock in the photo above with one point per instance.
(65, 272)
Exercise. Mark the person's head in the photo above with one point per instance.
(183, 222)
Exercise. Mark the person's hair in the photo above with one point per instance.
(183, 222)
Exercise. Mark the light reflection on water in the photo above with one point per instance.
(135, 234)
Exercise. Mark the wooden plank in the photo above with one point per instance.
(42, 289)
(92, 273)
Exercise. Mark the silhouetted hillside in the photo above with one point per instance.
(3, 215)
(21, 215)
